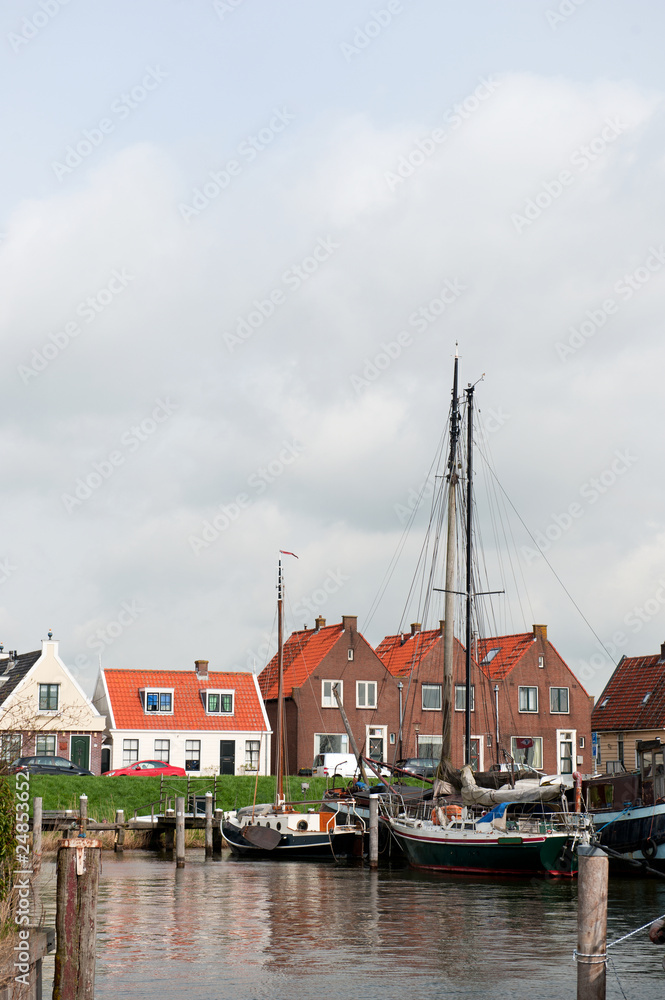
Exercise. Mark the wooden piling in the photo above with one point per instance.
(83, 814)
(36, 833)
(78, 867)
(591, 952)
(374, 831)
(217, 839)
(119, 842)
(208, 835)
(180, 832)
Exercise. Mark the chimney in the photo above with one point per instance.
(319, 623)
(350, 623)
(442, 627)
(201, 668)
(415, 627)
(662, 650)
(540, 630)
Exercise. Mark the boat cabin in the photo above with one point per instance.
(644, 787)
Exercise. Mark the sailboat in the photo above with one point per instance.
(535, 836)
(278, 830)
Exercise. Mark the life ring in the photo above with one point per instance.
(302, 824)
(649, 848)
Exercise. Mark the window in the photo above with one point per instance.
(460, 698)
(349, 654)
(10, 747)
(559, 700)
(489, 655)
(620, 749)
(163, 750)
(159, 701)
(48, 697)
(527, 750)
(192, 755)
(327, 697)
(541, 662)
(252, 748)
(392, 739)
(219, 703)
(430, 746)
(45, 745)
(130, 752)
(582, 742)
(365, 694)
(330, 743)
(431, 697)
(528, 699)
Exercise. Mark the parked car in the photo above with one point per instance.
(46, 765)
(149, 768)
(419, 767)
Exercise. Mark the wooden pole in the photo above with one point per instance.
(83, 814)
(180, 832)
(217, 832)
(591, 923)
(374, 831)
(36, 833)
(78, 867)
(208, 837)
(119, 843)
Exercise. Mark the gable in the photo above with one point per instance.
(303, 652)
(402, 654)
(634, 697)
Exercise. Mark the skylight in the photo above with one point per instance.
(603, 703)
(489, 655)
(646, 697)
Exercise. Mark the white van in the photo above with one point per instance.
(329, 764)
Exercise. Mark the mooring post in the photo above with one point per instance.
(180, 832)
(217, 838)
(119, 842)
(36, 833)
(208, 838)
(374, 831)
(78, 867)
(591, 954)
(83, 814)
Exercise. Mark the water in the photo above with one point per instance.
(278, 931)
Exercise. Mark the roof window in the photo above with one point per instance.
(489, 655)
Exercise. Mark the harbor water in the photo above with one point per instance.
(278, 931)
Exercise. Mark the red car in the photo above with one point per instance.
(149, 768)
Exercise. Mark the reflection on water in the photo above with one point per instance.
(277, 931)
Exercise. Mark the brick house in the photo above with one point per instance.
(544, 713)
(415, 659)
(44, 711)
(209, 722)
(631, 708)
(314, 660)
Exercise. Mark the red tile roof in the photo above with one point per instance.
(303, 651)
(188, 710)
(510, 648)
(403, 653)
(623, 698)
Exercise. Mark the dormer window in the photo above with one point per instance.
(158, 702)
(219, 702)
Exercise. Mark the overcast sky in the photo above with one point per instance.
(239, 242)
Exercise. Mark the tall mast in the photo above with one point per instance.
(449, 602)
(469, 581)
(279, 783)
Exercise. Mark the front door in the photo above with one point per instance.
(566, 740)
(476, 746)
(227, 757)
(80, 751)
(376, 738)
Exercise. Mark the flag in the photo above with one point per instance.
(284, 553)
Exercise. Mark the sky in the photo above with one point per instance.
(239, 242)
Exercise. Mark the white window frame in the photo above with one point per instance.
(366, 686)
(129, 748)
(461, 688)
(159, 692)
(159, 751)
(436, 708)
(344, 743)
(192, 746)
(220, 693)
(558, 711)
(527, 687)
(349, 654)
(10, 747)
(329, 701)
(537, 742)
(252, 756)
(46, 738)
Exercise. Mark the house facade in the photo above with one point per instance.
(630, 709)
(208, 722)
(544, 712)
(44, 711)
(315, 660)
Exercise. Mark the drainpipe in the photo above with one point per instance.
(496, 713)
(399, 738)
